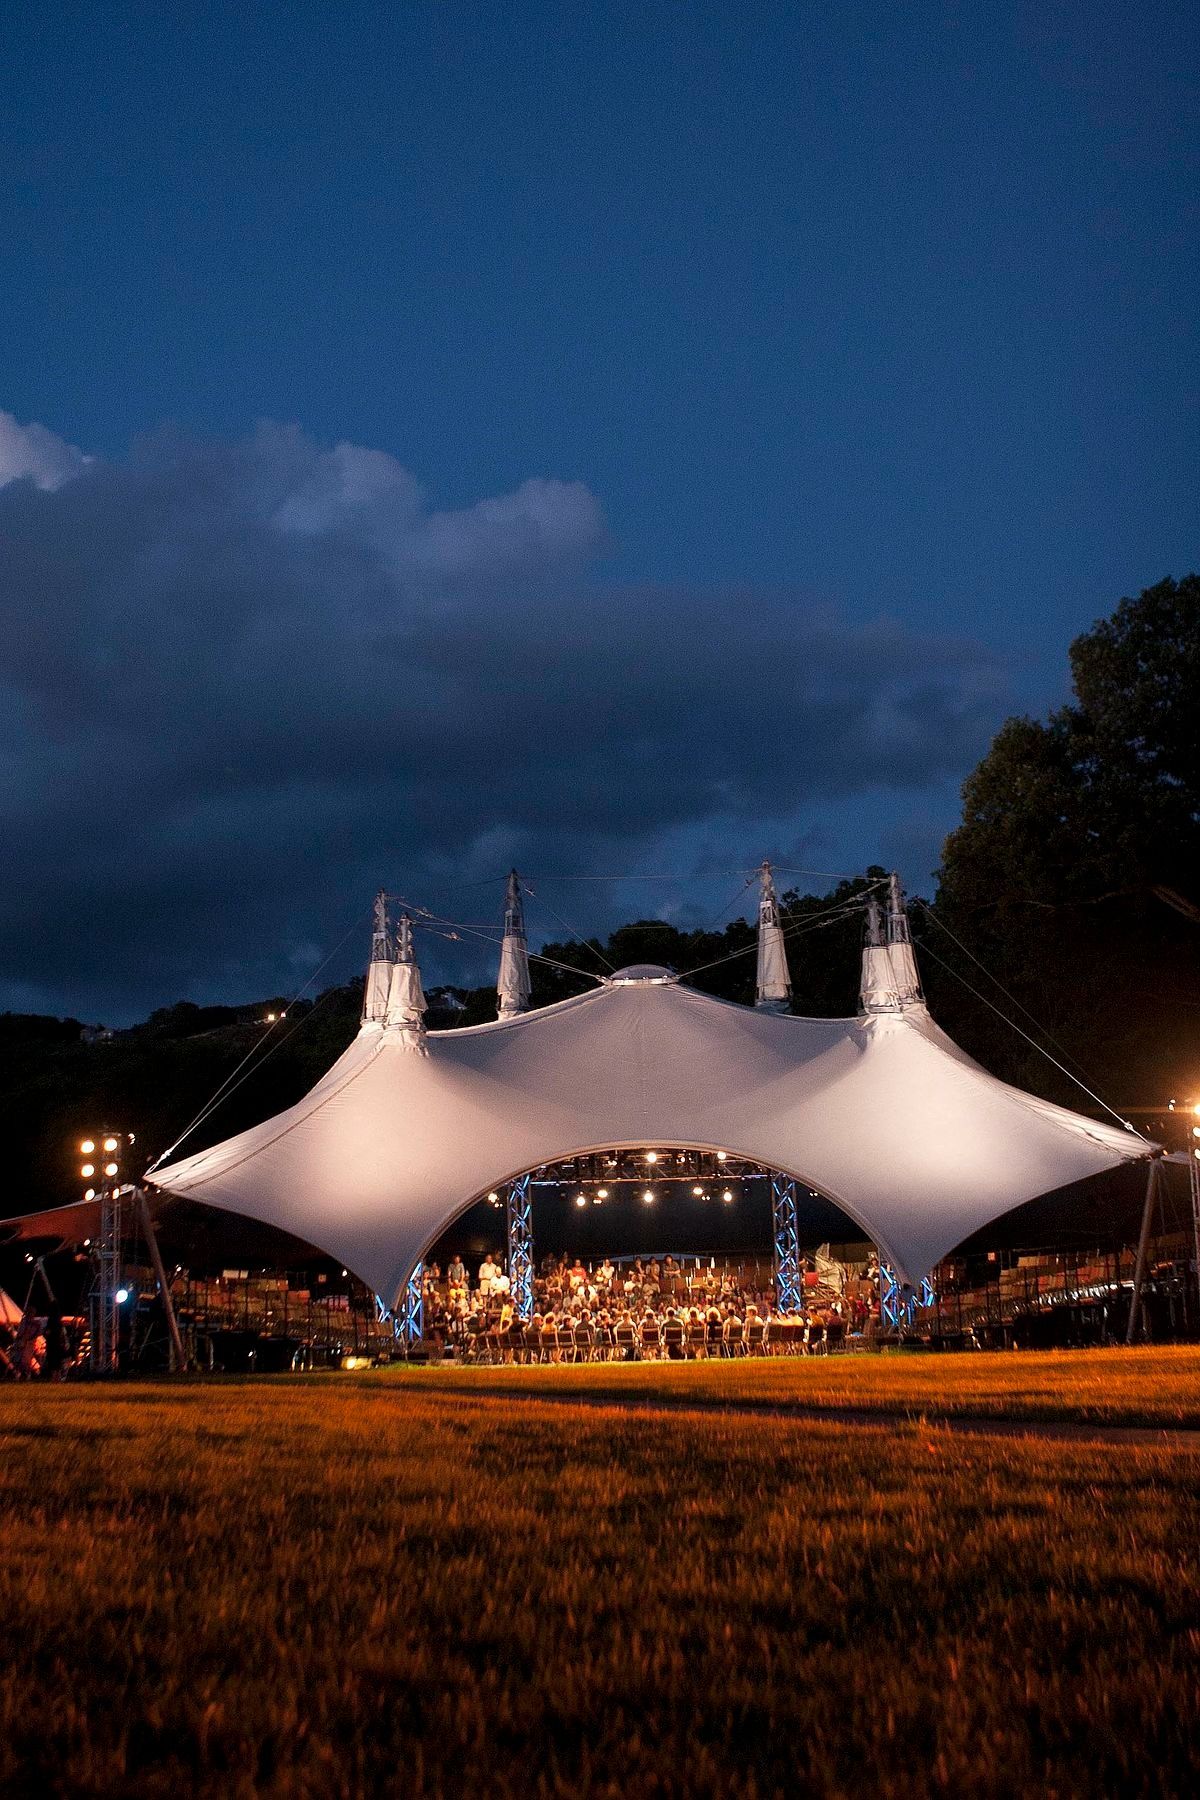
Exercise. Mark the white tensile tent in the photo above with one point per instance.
(10, 1313)
(882, 1113)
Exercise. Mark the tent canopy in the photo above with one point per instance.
(883, 1114)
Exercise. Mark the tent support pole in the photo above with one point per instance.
(1139, 1271)
(519, 1206)
(178, 1353)
(787, 1244)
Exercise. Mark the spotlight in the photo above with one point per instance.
(87, 1147)
(720, 1156)
(121, 1296)
(110, 1144)
(652, 1156)
(727, 1195)
(648, 1196)
(596, 1200)
(603, 1193)
(581, 1199)
(87, 1169)
(89, 1194)
(699, 1192)
(110, 1168)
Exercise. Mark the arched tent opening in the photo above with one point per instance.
(626, 1203)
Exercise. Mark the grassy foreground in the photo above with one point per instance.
(1153, 1386)
(357, 1585)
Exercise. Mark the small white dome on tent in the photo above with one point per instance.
(652, 972)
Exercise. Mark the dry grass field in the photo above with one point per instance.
(1152, 1387)
(394, 1583)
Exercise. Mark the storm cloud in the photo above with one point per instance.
(245, 684)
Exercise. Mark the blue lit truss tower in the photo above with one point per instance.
(413, 1322)
(788, 1284)
(519, 1204)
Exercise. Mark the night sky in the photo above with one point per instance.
(622, 440)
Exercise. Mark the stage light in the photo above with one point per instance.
(652, 1156)
(648, 1196)
(720, 1156)
(87, 1147)
(110, 1168)
(727, 1196)
(596, 1200)
(87, 1169)
(581, 1199)
(1196, 1110)
(89, 1194)
(110, 1144)
(121, 1296)
(603, 1193)
(699, 1192)
(1196, 1130)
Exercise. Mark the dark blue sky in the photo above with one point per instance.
(883, 317)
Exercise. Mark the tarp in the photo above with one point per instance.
(72, 1224)
(10, 1313)
(883, 1114)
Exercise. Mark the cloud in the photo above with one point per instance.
(245, 684)
(33, 453)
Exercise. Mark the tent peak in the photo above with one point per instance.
(773, 989)
(406, 997)
(379, 972)
(643, 974)
(890, 979)
(512, 983)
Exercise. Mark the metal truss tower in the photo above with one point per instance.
(414, 1305)
(106, 1275)
(788, 1293)
(520, 1247)
(897, 1301)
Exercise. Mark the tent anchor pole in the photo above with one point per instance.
(178, 1353)
(1139, 1271)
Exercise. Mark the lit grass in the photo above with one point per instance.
(1156, 1386)
(353, 1586)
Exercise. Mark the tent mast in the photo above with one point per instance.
(379, 973)
(406, 997)
(773, 990)
(512, 985)
(890, 981)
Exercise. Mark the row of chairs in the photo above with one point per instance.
(669, 1340)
